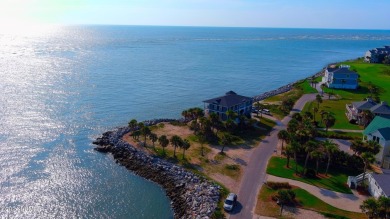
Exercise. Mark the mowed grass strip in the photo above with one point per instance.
(335, 181)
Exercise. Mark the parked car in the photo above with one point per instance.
(230, 202)
(266, 111)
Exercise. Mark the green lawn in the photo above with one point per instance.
(309, 201)
(378, 74)
(340, 135)
(305, 87)
(267, 207)
(335, 182)
(337, 108)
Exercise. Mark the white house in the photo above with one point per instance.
(379, 130)
(378, 184)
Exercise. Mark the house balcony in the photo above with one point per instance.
(351, 113)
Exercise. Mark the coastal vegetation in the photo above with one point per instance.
(335, 180)
(267, 203)
(207, 145)
(280, 105)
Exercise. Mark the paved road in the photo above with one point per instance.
(255, 174)
(348, 202)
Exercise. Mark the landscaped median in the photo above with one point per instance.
(266, 206)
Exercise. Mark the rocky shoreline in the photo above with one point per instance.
(282, 89)
(191, 196)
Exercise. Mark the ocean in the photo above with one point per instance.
(62, 87)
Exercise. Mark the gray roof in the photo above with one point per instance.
(382, 108)
(230, 99)
(383, 181)
(385, 132)
(341, 71)
(364, 105)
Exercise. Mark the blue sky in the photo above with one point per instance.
(355, 14)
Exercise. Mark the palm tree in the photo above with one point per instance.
(283, 135)
(319, 100)
(202, 141)
(373, 147)
(370, 207)
(317, 155)
(230, 125)
(310, 146)
(384, 204)
(153, 137)
(323, 114)
(315, 110)
(145, 131)
(284, 197)
(330, 149)
(215, 122)
(136, 134)
(292, 125)
(175, 141)
(288, 152)
(186, 144)
(231, 114)
(329, 121)
(133, 124)
(295, 147)
(185, 114)
(226, 139)
(357, 146)
(163, 140)
(368, 158)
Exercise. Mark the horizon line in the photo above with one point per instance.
(211, 26)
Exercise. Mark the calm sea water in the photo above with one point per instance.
(62, 87)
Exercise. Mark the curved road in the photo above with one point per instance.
(255, 172)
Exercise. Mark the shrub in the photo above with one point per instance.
(232, 166)
(278, 185)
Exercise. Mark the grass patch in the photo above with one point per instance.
(267, 207)
(305, 87)
(376, 73)
(310, 202)
(340, 135)
(336, 181)
(337, 108)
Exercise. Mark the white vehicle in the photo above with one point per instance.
(266, 111)
(230, 202)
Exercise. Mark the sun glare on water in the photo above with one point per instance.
(24, 18)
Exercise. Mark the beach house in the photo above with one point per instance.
(377, 55)
(378, 184)
(230, 101)
(379, 130)
(355, 110)
(340, 78)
